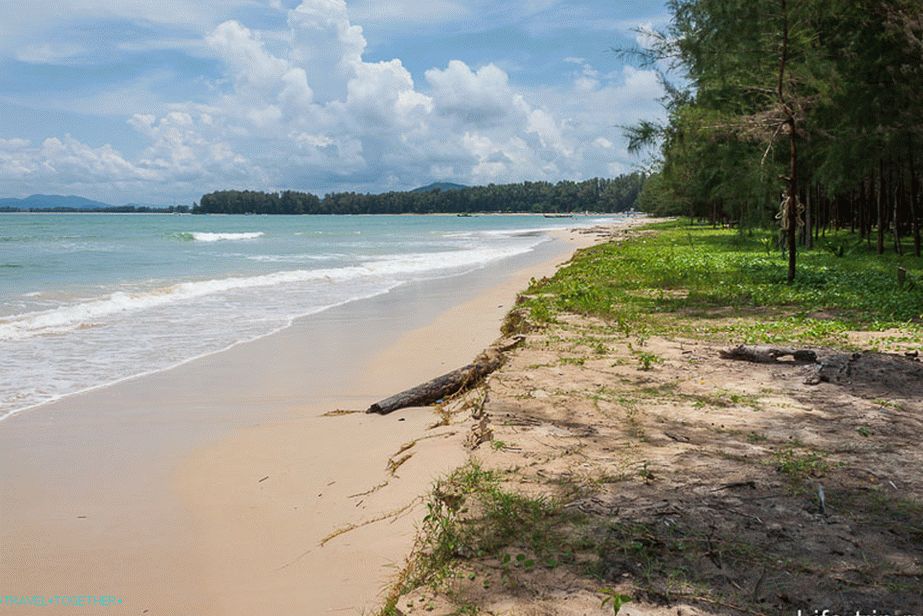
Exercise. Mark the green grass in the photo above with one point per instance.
(800, 466)
(679, 279)
(470, 515)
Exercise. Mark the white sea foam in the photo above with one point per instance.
(297, 258)
(201, 236)
(89, 313)
(72, 316)
(72, 342)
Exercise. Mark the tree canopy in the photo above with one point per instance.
(814, 103)
(596, 195)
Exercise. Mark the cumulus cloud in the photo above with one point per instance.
(305, 109)
(481, 97)
(66, 161)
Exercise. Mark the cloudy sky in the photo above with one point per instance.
(158, 101)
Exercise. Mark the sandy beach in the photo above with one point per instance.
(225, 487)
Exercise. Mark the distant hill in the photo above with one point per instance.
(50, 202)
(443, 186)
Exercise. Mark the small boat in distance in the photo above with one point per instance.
(558, 215)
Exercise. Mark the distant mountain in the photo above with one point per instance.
(50, 202)
(443, 186)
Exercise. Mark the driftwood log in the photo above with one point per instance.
(767, 354)
(445, 385)
(833, 369)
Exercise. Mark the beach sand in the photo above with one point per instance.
(209, 488)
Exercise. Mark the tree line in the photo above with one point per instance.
(805, 114)
(596, 195)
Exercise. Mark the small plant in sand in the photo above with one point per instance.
(614, 599)
(646, 361)
(498, 445)
(800, 466)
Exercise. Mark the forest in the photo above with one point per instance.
(805, 116)
(595, 195)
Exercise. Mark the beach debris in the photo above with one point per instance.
(767, 354)
(371, 490)
(443, 386)
(833, 369)
(340, 412)
(395, 463)
(480, 433)
(390, 515)
(882, 372)
(263, 479)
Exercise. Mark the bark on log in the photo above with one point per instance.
(833, 369)
(767, 354)
(443, 386)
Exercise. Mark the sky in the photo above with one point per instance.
(160, 101)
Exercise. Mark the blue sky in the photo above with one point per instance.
(155, 102)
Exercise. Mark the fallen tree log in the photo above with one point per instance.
(833, 369)
(767, 354)
(445, 385)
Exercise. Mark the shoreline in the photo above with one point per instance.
(55, 397)
(364, 499)
(644, 457)
(75, 504)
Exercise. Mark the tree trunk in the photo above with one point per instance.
(914, 203)
(881, 216)
(895, 190)
(808, 238)
(792, 214)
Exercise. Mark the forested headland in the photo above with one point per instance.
(806, 116)
(596, 195)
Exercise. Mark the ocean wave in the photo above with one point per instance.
(395, 266)
(72, 316)
(201, 236)
(296, 258)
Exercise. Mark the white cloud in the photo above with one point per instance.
(481, 97)
(304, 109)
(48, 53)
(65, 161)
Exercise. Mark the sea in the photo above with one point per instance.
(87, 300)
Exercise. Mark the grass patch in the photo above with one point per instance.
(800, 466)
(667, 561)
(725, 398)
(702, 277)
(470, 515)
(898, 515)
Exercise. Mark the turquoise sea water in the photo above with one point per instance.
(90, 299)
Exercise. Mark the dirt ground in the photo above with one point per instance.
(693, 484)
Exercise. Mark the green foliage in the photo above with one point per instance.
(846, 75)
(799, 466)
(598, 195)
(614, 599)
(700, 273)
(646, 361)
(469, 514)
